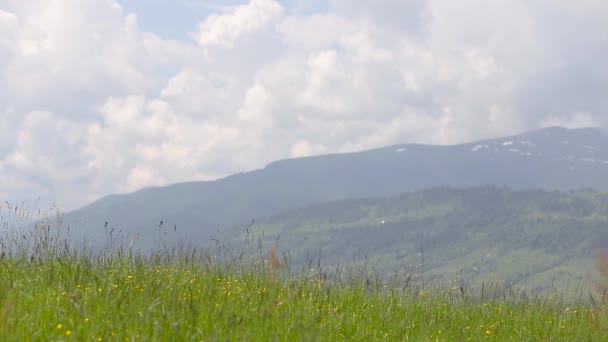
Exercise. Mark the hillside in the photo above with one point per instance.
(551, 158)
(538, 238)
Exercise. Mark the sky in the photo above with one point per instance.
(104, 96)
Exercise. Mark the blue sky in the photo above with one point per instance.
(104, 97)
(169, 19)
(174, 19)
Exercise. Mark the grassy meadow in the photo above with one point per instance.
(51, 291)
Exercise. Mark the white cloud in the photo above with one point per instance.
(41, 137)
(69, 54)
(225, 29)
(406, 16)
(305, 148)
(314, 32)
(140, 176)
(576, 120)
(193, 91)
(45, 156)
(8, 29)
(122, 112)
(325, 77)
(155, 144)
(256, 106)
(92, 105)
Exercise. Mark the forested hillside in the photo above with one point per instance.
(538, 238)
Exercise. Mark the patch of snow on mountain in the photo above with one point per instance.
(589, 147)
(526, 154)
(514, 150)
(401, 149)
(587, 160)
(478, 147)
(507, 143)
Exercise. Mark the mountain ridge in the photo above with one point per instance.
(550, 158)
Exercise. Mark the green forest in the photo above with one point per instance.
(544, 240)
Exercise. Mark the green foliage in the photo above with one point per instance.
(536, 238)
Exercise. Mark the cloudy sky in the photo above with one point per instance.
(106, 96)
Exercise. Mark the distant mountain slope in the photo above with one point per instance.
(531, 237)
(551, 158)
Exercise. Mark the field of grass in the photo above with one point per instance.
(199, 296)
(52, 292)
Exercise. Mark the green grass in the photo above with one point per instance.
(196, 296)
(52, 292)
(73, 300)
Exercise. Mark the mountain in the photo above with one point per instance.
(551, 158)
(541, 239)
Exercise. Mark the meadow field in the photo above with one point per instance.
(51, 291)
